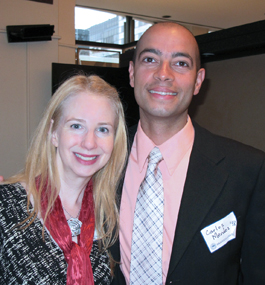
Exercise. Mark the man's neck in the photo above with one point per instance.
(161, 130)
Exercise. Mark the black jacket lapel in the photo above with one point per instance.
(205, 180)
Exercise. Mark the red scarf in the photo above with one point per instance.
(79, 270)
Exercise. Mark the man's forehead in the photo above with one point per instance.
(169, 37)
(170, 49)
(158, 52)
(164, 37)
(157, 30)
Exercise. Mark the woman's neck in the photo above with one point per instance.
(71, 195)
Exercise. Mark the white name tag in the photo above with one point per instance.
(221, 232)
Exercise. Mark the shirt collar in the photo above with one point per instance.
(173, 150)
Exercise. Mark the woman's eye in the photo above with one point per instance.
(75, 126)
(103, 130)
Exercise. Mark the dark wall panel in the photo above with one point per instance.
(118, 77)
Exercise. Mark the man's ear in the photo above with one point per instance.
(131, 73)
(199, 80)
(54, 136)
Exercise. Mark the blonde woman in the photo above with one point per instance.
(58, 216)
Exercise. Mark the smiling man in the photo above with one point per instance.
(165, 76)
(213, 189)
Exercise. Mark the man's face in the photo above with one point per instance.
(164, 75)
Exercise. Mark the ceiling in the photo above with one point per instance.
(213, 14)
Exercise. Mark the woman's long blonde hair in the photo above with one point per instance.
(41, 162)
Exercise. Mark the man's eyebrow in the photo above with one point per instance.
(158, 52)
(182, 54)
(151, 50)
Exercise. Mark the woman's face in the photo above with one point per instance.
(85, 135)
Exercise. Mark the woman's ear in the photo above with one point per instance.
(54, 137)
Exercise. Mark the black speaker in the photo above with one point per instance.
(29, 33)
(245, 40)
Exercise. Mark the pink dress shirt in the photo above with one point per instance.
(176, 153)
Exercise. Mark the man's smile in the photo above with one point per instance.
(163, 93)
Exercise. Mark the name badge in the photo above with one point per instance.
(220, 233)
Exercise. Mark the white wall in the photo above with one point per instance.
(25, 73)
(233, 105)
(233, 99)
(66, 17)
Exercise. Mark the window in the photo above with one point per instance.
(96, 26)
(98, 56)
(139, 28)
(104, 28)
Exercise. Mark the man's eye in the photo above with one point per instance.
(76, 126)
(182, 63)
(149, 59)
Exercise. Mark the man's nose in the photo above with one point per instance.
(164, 72)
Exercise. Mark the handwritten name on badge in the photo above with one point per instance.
(221, 232)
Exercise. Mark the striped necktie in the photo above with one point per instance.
(147, 237)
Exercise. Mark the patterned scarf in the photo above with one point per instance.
(79, 270)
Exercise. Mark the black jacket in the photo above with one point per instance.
(223, 176)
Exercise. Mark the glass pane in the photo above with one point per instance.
(98, 55)
(97, 26)
(139, 28)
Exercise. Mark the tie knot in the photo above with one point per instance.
(155, 156)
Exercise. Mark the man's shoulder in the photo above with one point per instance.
(209, 142)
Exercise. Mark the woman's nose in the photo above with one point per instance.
(89, 140)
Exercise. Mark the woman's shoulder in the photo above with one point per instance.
(100, 263)
(13, 202)
(12, 191)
